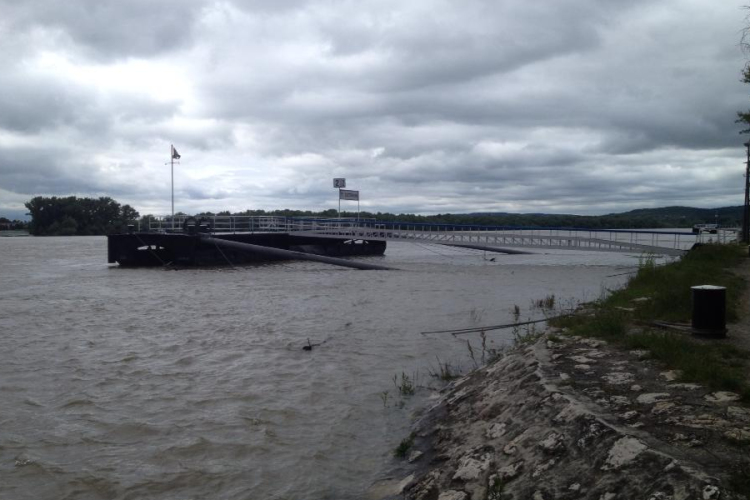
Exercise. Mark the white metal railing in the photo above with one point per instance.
(572, 238)
(218, 223)
(672, 242)
(245, 223)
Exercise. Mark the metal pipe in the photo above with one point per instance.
(290, 254)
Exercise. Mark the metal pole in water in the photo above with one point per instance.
(171, 162)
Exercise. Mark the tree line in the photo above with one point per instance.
(93, 216)
(10, 225)
(67, 216)
(649, 218)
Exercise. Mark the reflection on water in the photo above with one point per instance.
(153, 383)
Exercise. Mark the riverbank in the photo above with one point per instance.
(569, 415)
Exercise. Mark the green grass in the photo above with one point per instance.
(718, 366)
(668, 287)
(603, 322)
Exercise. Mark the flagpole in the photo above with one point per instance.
(171, 161)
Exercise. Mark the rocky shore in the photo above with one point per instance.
(575, 418)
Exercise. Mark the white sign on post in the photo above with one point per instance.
(339, 182)
(345, 194)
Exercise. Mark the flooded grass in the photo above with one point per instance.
(404, 446)
(445, 371)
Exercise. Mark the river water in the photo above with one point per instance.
(181, 384)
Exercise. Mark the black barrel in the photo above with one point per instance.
(710, 310)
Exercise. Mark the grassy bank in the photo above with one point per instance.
(663, 293)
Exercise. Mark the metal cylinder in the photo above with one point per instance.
(709, 310)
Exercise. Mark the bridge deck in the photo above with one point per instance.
(609, 240)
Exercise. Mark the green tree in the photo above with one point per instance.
(128, 214)
(81, 216)
(67, 226)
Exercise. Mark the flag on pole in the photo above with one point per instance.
(175, 154)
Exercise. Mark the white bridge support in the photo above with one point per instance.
(673, 243)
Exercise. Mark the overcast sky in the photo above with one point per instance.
(427, 106)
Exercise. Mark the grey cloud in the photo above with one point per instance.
(29, 104)
(197, 192)
(427, 106)
(266, 7)
(55, 171)
(433, 47)
(664, 107)
(110, 30)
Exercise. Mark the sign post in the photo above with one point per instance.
(339, 183)
(347, 194)
(174, 155)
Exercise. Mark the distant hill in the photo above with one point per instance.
(666, 217)
(684, 216)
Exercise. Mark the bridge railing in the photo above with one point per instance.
(218, 223)
(403, 230)
(674, 239)
(246, 223)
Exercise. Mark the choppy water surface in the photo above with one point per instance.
(153, 383)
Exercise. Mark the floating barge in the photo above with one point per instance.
(158, 249)
(229, 240)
